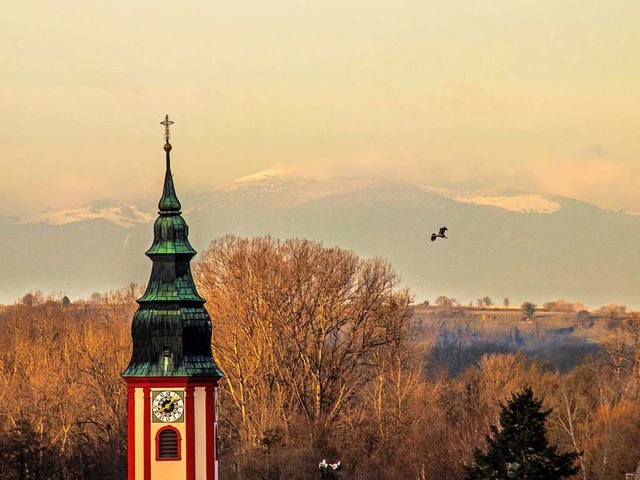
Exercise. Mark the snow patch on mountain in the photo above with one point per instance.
(124, 216)
(287, 187)
(524, 203)
(514, 202)
(262, 176)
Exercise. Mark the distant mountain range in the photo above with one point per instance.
(515, 245)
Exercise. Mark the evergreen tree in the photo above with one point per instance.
(520, 448)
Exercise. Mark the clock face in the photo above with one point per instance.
(168, 406)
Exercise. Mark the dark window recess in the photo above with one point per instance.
(166, 357)
(168, 444)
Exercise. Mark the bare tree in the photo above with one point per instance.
(300, 329)
(443, 301)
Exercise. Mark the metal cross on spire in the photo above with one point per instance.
(166, 124)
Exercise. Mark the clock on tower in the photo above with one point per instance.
(172, 377)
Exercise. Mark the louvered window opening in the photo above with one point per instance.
(168, 444)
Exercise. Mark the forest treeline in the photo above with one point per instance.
(324, 357)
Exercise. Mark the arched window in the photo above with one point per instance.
(168, 442)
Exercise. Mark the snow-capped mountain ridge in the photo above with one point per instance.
(286, 189)
(524, 246)
(317, 187)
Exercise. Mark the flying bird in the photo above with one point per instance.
(441, 233)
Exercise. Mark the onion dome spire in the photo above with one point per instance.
(171, 330)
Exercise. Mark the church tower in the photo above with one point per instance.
(172, 377)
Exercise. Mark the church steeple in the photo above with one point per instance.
(171, 330)
(172, 378)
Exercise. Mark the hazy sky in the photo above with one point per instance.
(533, 95)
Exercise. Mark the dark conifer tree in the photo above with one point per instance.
(519, 449)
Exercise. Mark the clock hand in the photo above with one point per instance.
(166, 407)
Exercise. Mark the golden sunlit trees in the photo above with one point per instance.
(62, 402)
(322, 360)
(299, 330)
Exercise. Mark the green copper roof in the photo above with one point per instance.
(171, 282)
(169, 201)
(173, 334)
(170, 233)
(171, 330)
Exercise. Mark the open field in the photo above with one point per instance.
(461, 335)
(500, 320)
